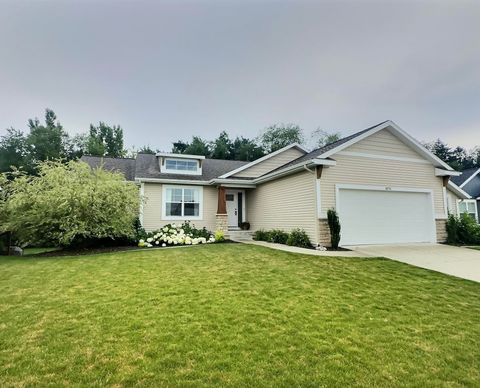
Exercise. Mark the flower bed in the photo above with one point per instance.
(173, 234)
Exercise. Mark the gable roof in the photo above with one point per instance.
(126, 166)
(328, 150)
(263, 158)
(467, 176)
(457, 190)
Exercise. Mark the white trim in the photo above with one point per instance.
(173, 181)
(184, 218)
(445, 201)
(401, 133)
(319, 198)
(474, 201)
(164, 169)
(293, 168)
(458, 191)
(470, 178)
(142, 199)
(180, 156)
(263, 158)
(247, 183)
(386, 157)
(441, 172)
(339, 187)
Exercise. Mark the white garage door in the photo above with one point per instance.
(385, 217)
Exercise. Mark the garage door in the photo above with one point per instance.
(385, 217)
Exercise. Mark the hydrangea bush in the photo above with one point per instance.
(173, 234)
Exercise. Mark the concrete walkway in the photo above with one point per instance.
(461, 262)
(304, 251)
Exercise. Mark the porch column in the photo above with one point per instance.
(221, 219)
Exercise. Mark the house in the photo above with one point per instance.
(386, 187)
(469, 182)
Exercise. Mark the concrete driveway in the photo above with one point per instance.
(461, 262)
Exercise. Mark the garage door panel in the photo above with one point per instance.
(385, 217)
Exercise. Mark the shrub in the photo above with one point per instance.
(278, 236)
(261, 235)
(299, 238)
(195, 232)
(172, 234)
(334, 226)
(462, 230)
(68, 202)
(219, 236)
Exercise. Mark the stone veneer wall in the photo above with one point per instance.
(441, 230)
(324, 233)
(221, 223)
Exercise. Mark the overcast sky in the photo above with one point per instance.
(169, 70)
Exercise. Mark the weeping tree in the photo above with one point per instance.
(67, 203)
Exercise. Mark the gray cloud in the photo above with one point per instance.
(169, 70)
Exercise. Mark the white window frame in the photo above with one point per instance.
(185, 218)
(164, 169)
(467, 201)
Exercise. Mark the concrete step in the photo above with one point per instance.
(240, 235)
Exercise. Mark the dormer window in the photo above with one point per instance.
(180, 164)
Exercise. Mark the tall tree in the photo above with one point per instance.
(280, 135)
(47, 142)
(321, 137)
(198, 146)
(14, 151)
(105, 140)
(179, 147)
(222, 147)
(246, 149)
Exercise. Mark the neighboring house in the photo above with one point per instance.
(386, 187)
(469, 182)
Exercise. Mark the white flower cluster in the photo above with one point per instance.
(321, 248)
(173, 235)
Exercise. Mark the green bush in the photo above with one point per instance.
(334, 226)
(195, 232)
(68, 203)
(298, 238)
(261, 235)
(219, 236)
(462, 230)
(278, 236)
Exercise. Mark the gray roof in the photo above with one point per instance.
(319, 151)
(458, 180)
(147, 167)
(124, 165)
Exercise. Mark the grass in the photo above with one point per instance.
(234, 315)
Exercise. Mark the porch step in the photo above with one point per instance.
(240, 235)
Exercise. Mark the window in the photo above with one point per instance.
(182, 202)
(469, 207)
(181, 165)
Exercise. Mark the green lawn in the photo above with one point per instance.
(234, 314)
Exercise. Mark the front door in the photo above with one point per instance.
(232, 208)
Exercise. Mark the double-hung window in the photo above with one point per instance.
(469, 207)
(182, 202)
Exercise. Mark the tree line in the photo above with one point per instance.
(50, 141)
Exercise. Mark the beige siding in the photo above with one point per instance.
(452, 200)
(270, 163)
(285, 203)
(384, 143)
(152, 210)
(375, 172)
